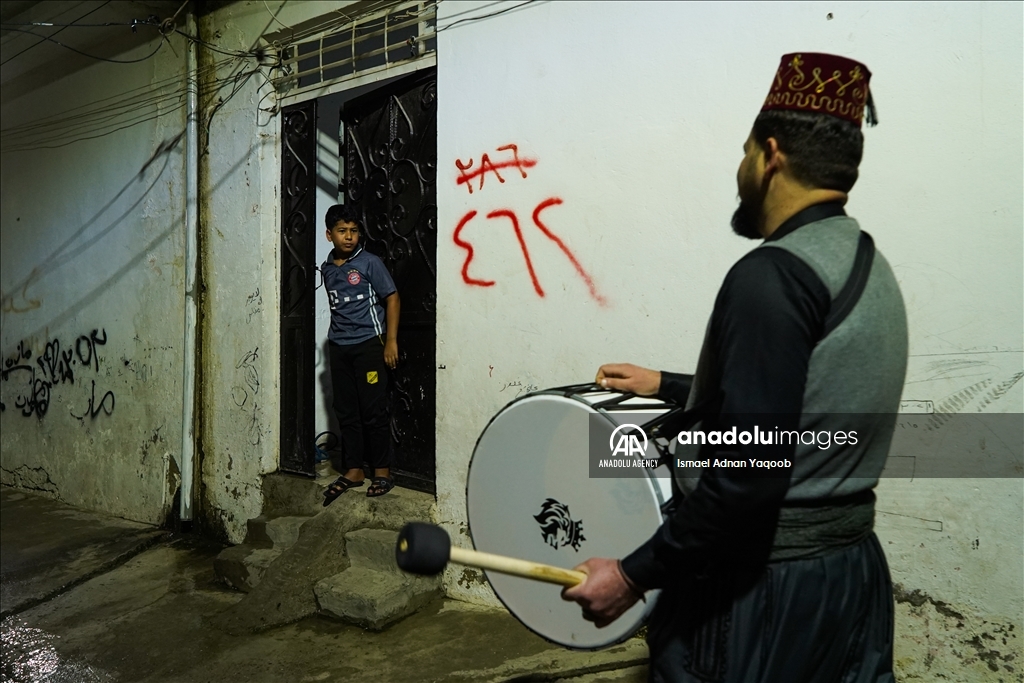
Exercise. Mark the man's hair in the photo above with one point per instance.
(344, 213)
(823, 151)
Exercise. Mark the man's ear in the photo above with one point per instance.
(773, 157)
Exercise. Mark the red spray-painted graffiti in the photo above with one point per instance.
(486, 165)
(522, 245)
(554, 201)
(469, 253)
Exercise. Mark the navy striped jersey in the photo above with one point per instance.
(355, 291)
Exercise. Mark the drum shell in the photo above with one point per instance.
(530, 495)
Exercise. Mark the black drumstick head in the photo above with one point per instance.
(422, 548)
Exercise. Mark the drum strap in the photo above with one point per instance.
(679, 419)
(849, 295)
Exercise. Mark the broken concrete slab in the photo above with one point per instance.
(274, 532)
(372, 549)
(374, 599)
(373, 592)
(55, 546)
(289, 494)
(242, 567)
(286, 592)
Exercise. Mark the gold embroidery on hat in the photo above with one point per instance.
(855, 75)
(795, 82)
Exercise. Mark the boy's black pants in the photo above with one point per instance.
(360, 379)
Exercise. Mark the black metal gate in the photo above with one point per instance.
(298, 267)
(390, 172)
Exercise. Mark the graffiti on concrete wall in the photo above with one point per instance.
(245, 396)
(487, 166)
(469, 172)
(55, 367)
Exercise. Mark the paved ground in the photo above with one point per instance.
(95, 599)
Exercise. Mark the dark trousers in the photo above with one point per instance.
(360, 379)
(822, 620)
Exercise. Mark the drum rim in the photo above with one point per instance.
(564, 392)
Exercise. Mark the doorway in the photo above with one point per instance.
(386, 165)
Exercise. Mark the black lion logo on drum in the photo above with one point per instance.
(558, 527)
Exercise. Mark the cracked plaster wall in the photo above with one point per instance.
(240, 241)
(91, 272)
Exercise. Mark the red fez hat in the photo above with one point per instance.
(822, 84)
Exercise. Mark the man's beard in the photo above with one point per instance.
(745, 219)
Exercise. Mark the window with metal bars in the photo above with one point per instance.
(399, 34)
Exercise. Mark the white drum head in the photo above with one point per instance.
(529, 495)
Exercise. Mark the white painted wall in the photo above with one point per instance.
(635, 114)
(92, 240)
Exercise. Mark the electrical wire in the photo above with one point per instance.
(136, 22)
(94, 9)
(127, 99)
(101, 134)
(137, 112)
(162, 98)
(486, 16)
(273, 15)
(138, 105)
(88, 116)
(215, 48)
(86, 54)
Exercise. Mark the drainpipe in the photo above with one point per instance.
(188, 398)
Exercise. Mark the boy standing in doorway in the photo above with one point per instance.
(363, 343)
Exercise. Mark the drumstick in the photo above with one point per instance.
(426, 549)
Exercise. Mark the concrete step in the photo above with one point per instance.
(374, 599)
(373, 592)
(372, 549)
(274, 532)
(290, 494)
(242, 566)
(285, 593)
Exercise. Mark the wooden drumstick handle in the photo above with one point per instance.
(516, 567)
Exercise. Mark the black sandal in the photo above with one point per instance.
(338, 487)
(380, 486)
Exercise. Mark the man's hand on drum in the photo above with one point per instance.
(629, 377)
(605, 594)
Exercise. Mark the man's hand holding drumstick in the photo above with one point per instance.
(608, 592)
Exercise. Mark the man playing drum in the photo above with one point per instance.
(769, 576)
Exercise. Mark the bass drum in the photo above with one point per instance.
(530, 495)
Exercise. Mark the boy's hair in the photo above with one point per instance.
(342, 213)
(824, 151)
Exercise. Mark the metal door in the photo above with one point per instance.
(390, 172)
(298, 267)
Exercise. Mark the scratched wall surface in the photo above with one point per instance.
(587, 166)
(240, 242)
(240, 237)
(91, 272)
